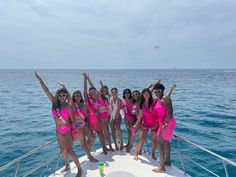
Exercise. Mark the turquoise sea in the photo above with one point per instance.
(204, 107)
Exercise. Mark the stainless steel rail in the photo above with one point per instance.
(17, 160)
(219, 157)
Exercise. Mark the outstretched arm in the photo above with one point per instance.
(68, 93)
(151, 87)
(101, 83)
(44, 87)
(85, 87)
(168, 103)
(89, 81)
(171, 90)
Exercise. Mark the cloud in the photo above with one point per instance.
(117, 34)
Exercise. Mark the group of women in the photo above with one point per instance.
(81, 117)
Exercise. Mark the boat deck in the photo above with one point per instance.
(121, 164)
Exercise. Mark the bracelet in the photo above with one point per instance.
(165, 124)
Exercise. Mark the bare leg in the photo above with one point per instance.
(113, 130)
(131, 124)
(167, 150)
(141, 140)
(62, 144)
(81, 137)
(160, 144)
(91, 137)
(117, 125)
(108, 134)
(102, 141)
(154, 144)
(69, 143)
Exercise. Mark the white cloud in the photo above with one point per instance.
(117, 34)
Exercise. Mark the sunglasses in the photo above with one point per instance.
(135, 94)
(61, 95)
(77, 95)
(158, 91)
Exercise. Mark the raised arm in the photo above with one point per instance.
(85, 87)
(168, 103)
(68, 93)
(44, 87)
(151, 87)
(171, 90)
(89, 81)
(101, 83)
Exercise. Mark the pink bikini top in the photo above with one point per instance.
(78, 111)
(127, 108)
(103, 103)
(62, 114)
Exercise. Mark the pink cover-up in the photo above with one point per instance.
(149, 118)
(93, 119)
(161, 113)
(127, 108)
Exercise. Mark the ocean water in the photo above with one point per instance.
(204, 107)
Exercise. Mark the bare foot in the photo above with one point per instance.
(159, 170)
(79, 173)
(135, 157)
(154, 157)
(92, 159)
(66, 168)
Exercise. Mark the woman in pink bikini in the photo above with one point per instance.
(164, 113)
(104, 111)
(63, 116)
(115, 117)
(130, 119)
(82, 124)
(148, 121)
(92, 102)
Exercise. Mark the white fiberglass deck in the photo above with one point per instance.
(121, 164)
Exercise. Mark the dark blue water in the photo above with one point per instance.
(204, 107)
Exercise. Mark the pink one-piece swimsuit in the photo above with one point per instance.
(161, 113)
(65, 114)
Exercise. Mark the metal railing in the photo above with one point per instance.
(224, 160)
(18, 160)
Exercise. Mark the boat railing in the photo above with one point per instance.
(224, 160)
(19, 159)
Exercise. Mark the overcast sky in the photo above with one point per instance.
(98, 34)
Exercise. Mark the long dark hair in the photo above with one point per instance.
(133, 100)
(77, 92)
(56, 103)
(150, 101)
(127, 90)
